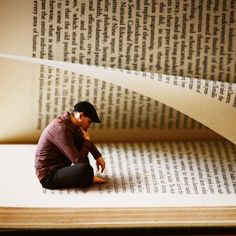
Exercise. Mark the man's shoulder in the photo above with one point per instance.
(60, 122)
(63, 118)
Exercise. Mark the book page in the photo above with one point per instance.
(173, 174)
(200, 45)
(33, 103)
(202, 100)
(191, 39)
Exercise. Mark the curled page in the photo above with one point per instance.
(211, 103)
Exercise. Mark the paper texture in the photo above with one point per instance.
(158, 72)
(137, 175)
(174, 38)
(202, 100)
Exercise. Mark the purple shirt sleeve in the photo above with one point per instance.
(64, 141)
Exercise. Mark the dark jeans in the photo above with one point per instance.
(78, 175)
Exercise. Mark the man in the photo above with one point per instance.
(61, 158)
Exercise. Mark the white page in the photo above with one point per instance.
(123, 112)
(166, 37)
(210, 102)
(137, 175)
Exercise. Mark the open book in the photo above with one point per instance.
(162, 77)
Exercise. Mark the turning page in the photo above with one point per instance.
(202, 100)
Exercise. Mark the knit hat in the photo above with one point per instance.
(88, 109)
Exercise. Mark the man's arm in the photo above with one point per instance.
(94, 151)
(64, 141)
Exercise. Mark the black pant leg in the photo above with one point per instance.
(78, 175)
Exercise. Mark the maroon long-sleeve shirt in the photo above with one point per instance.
(61, 144)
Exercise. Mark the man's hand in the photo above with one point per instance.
(100, 163)
(86, 134)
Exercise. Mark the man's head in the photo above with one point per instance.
(85, 113)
